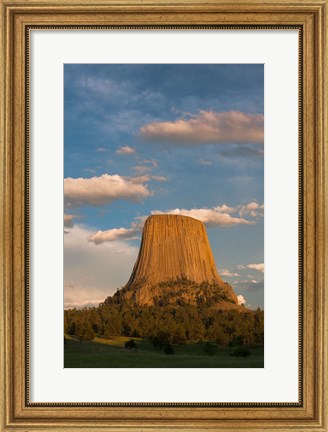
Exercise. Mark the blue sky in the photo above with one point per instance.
(141, 139)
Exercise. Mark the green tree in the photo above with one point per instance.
(85, 331)
(169, 349)
(210, 348)
(130, 344)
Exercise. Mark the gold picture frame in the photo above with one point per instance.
(18, 18)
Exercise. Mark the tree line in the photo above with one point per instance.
(176, 325)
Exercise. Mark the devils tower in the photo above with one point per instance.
(175, 266)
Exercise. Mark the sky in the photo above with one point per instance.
(161, 138)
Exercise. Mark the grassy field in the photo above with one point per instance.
(103, 353)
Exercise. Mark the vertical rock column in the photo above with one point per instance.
(174, 247)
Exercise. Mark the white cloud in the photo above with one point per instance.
(223, 215)
(209, 127)
(217, 216)
(209, 216)
(158, 178)
(125, 150)
(141, 169)
(228, 273)
(152, 162)
(114, 234)
(93, 272)
(101, 149)
(241, 299)
(146, 178)
(147, 166)
(77, 296)
(252, 209)
(102, 190)
(204, 162)
(253, 291)
(258, 267)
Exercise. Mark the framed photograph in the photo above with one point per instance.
(175, 308)
(164, 238)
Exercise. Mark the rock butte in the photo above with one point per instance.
(175, 260)
(174, 247)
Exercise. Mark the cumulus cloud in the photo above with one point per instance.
(127, 150)
(93, 272)
(152, 162)
(101, 149)
(146, 178)
(241, 299)
(141, 169)
(252, 209)
(209, 127)
(228, 273)
(147, 165)
(253, 293)
(216, 216)
(259, 267)
(102, 190)
(226, 209)
(158, 178)
(77, 296)
(255, 266)
(114, 234)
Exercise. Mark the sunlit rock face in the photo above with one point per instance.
(175, 266)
